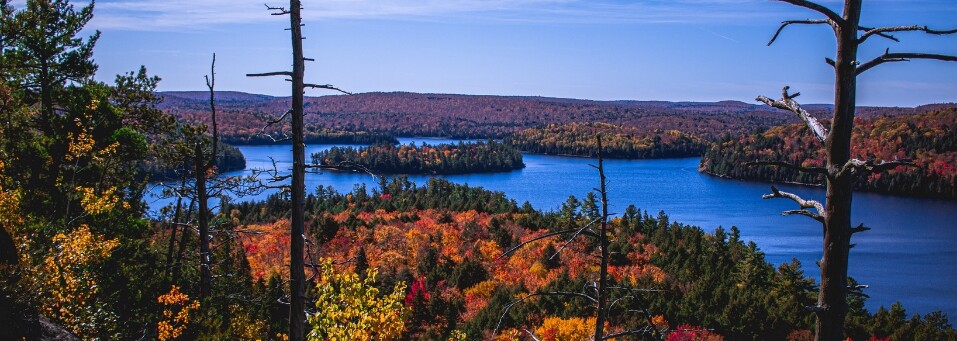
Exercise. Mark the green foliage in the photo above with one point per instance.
(620, 142)
(479, 157)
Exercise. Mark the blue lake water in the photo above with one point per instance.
(909, 256)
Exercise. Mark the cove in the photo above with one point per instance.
(910, 255)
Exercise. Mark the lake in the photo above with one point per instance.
(910, 255)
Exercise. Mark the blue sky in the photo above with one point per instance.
(694, 50)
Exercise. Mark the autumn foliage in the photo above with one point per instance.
(619, 142)
(930, 139)
(351, 308)
(176, 309)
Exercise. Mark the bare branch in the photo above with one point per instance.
(805, 22)
(902, 57)
(855, 166)
(804, 204)
(860, 228)
(787, 103)
(347, 166)
(830, 62)
(643, 331)
(814, 170)
(804, 213)
(551, 234)
(838, 20)
(327, 87)
(520, 300)
(278, 10)
(580, 231)
(267, 74)
(882, 30)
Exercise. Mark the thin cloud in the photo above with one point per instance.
(186, 15)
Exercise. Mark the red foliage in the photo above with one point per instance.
(418, 289)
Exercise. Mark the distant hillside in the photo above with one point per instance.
(930, 139)
(470, 116)
(203, 96)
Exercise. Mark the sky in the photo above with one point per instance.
(673, 50)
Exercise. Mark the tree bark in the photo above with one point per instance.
(601, 315)
(205, 275)
(832, 301)
(297, 274)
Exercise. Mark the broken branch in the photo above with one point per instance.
(787, 103)
(804, 204)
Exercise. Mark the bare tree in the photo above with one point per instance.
(841, 169)
(297, 285)
(603, 296)
(204, 164)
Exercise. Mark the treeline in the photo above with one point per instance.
(312, 135)
(929, 139)
(241, 122)
(481, 117)
(620, 142)
(445, 241)
(229, 159)
(461, 158)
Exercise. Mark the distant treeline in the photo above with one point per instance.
(313, 136)
(618, 142)
(480, 157)
(930, 139)
(229, 159)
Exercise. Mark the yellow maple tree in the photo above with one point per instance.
(69, 280)
(350, 308)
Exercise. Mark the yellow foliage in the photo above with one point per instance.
(483, 289)
(176, 309)
(510, 334)
(489, 249)
(71, 284)
(575, 328)
(457, 335)
(103, 202)
(9, 206)
(348, 308)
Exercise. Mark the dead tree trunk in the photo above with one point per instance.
(841, 169)
(205, 274)
(601, 294)
(297, 274)
(205, 163)
(297, 285)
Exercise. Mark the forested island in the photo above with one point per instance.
(229, 159)
(619, 142)
(929, 139)
(461, 158)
